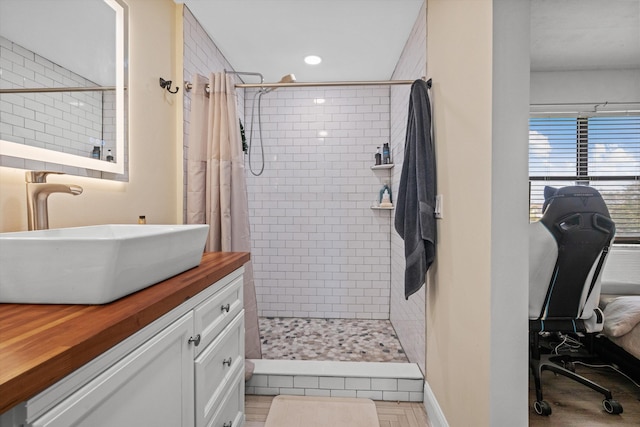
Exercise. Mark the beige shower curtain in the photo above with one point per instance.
(216, 184)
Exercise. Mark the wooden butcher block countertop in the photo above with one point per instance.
(41, 344)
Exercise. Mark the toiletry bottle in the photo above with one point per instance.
(378, 157)
(109, 155)
(386, 154)
(385, 188)
(95, 154)
(386, 199)
(142, 219)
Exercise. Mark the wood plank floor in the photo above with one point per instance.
(390, 414)
(576, 405)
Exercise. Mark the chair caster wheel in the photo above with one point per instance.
(612, 406)
(542, 407)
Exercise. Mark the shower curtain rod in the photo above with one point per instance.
(59, 89)
(188, 85)
(353, 83)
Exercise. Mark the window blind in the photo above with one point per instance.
(601, 151)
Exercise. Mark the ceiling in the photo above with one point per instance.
(357, 39)
(363, 39)
(585, 34)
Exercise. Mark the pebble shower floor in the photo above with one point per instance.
(330, 339)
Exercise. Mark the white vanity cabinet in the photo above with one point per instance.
(185, 369)
(152, 386)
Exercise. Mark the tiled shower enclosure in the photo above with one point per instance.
(319, 250)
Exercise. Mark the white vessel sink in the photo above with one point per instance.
(95, 264)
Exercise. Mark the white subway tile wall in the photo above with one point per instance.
(318, 249)
(69, 122)
(407, 316)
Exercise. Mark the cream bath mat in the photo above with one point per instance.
(310, 411)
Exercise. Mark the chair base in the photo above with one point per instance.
(548, 362)
(612, 354)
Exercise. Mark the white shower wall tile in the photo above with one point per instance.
(407, 316)
(378, 381)
(317, 245)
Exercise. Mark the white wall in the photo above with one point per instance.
(588, 86)
(477, 55)
(509, 340)
(155, 179)
(318, 249)
(407, 316)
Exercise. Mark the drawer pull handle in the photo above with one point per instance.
(226, 362)
(195, 340)
(229, 424)
(225, 308)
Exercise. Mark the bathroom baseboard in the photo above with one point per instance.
(434, 412)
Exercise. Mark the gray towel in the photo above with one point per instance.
(416, 198)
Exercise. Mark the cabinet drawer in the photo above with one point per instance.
(230, 413)
(214, 314)
(216, 366)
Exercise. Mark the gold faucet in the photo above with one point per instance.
(38, 191)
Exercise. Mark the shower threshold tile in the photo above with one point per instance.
(330, 339)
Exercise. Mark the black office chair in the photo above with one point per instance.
(568, 249)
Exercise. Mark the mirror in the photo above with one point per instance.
(63, 86)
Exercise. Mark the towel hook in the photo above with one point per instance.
(166, 84)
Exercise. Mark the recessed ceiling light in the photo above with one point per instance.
(323, 133)
(312, 60)
(318, 100)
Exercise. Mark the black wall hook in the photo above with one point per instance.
(166, 84)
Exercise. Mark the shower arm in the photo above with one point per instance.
(246, 73)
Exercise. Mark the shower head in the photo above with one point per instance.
(288, 78)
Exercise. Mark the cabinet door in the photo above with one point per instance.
(215, 368)
(152, 386)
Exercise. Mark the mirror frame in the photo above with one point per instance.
(23, 151)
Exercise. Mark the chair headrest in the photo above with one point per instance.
(576, 206)
(577, 198)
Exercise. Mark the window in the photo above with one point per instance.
(602, 152)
